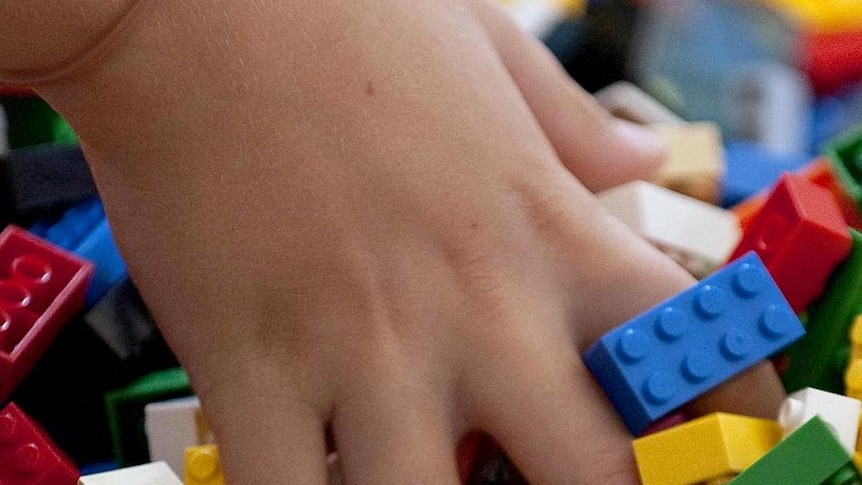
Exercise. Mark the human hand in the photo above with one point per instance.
(375, 216)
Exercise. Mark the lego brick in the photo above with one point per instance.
(707, 448)
(158, 473)
(839, 413)
(125, 325)
(33, 122)
(801, 237)
(41, 179)
(856, 338)
(844, 156)
(771, 104)
(752, 168)
(809, 456)
(820, 358)
(846, 475)
(831, 59)
(689, 344)
(125, 410)
(27, 454)
(853, 379)
(695, 160)
(172, 426)
(822, 15)
(41, 288)
(697, 235)
(84, 230)
(627, 101)
(202, 466)
(820, 173)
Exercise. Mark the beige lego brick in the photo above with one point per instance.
(695, 160)
(697, 235)
(158, 473)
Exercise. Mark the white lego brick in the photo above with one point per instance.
(158, 473)
(684, 227)
(627, 101)
(840, 413)
(171, 426)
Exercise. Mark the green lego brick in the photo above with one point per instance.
(845, 158)
(847, 475)
(31, 121)
(809, 456)
(125, 411)
(820, 357)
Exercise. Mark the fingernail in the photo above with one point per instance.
(642, 138)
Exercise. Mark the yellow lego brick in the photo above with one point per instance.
(853, 379)
(856, 338)
(710, 448)
(823, 15)
(857, 460)
(695, 160)
(202, 466)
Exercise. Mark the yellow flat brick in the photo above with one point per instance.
(202, 466)
(853, 379)
(710, 448)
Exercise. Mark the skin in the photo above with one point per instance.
(371, 215)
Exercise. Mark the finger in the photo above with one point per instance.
(547, 413)
(295, 437)
(386, 435)
(601, 151)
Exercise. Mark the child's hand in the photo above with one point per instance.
(375, 215)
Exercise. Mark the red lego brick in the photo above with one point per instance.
(801, 237)
(27, 454)
(15, 91)
(41, 288)
(821, 174)
(832, 59)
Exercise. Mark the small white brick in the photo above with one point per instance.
(171, 426)
(698, 235)
(158, 473)
(840, 413)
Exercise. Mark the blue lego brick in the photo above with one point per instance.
(693, 342)
(84, 230)
(752, 168)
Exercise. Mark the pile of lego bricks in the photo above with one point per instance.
(86, 372)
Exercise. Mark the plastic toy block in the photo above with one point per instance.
(692, 342)
(752, 169)
(856, 338)
(202, 466)
(809, 456)
(158, 473)
(821, 174)
(769, 103)
(695, 160)
(125, 410)
(820, 358)
(845, 159)
(126, 327)
(846, 475)
(853, 379)
(27, 455)
(707, 448)
(823, 15)
(840, 413)
(172, 426)
(84, 230)
(697, 235)
(857, 460)
(38, 180)
(801, 237)
(33, 122)
(627, 101)
(831, 59)
(41, 288)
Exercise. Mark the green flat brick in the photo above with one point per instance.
(820, 358)
(33, 122)
(847, 475)
(845, 158)
(125, 411)
(809, 456)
